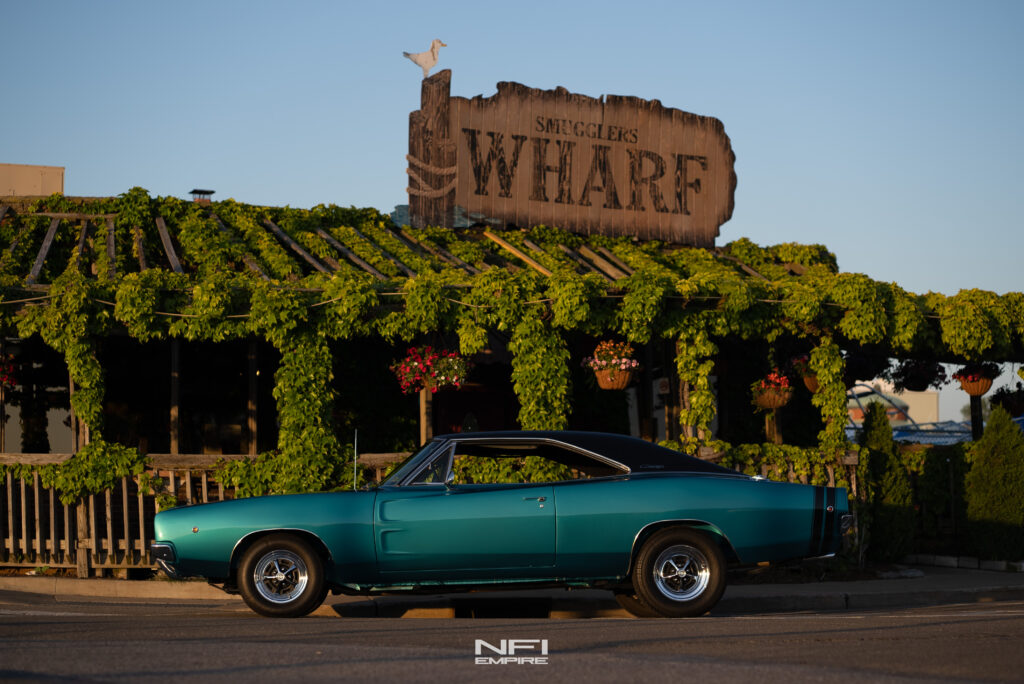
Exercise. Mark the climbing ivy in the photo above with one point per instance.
(540, 375)
(241, 282)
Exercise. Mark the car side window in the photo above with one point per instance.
(435, 472)
(515, 463)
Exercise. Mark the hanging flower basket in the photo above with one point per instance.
(916, 384)
(771, 399)
(802, 366)
(976, 378)
(427, 368)
(613, 379)
(773, 391)
(1012, 400)
(612, 364)
(976, 388)
(916, 375)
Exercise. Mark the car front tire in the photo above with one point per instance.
(282, 576)
(679, 572)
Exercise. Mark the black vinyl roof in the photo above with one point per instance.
(637, 454)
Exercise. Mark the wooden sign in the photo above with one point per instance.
(612, 165)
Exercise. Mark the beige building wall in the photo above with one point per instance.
(923, 407)
(26, 179)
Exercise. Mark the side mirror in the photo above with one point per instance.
(449, 480)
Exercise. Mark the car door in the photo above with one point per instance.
(435, 528)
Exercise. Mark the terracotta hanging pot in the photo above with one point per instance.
(773, 398)
(613, 379)
(811, 383)
(976, 388)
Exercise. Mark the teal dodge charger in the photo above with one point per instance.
(509, 509)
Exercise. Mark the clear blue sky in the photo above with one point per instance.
(889, 131)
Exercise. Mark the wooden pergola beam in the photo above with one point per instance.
(601, 262)
(589, 267)
(612, 257)
(746, 269)
(111, 248)
(83, 234)
(73, 216)
(349, 254)
(411, 247)
(248, 259)
(518, 253)
(387, 255)
(442, 254)
(295, 247)
(17, 238)
(165, 239)
(37, 267)
(139, 247)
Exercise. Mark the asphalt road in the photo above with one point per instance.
(45, 640)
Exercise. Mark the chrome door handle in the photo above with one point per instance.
(535, 498)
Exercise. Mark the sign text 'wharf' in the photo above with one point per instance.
(612, 165)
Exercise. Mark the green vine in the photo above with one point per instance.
(540, 374)
(778, 297)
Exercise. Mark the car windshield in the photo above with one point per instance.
(403, 468)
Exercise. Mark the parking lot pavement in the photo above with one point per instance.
(923, 586)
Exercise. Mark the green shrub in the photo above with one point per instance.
(938, 477)
(887, 498)
(995, 490)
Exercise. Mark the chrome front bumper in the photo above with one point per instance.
(163, 555)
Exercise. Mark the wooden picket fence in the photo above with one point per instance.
(109, 532)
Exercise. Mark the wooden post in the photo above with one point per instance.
(684, 403)
(253, 386)
(82, 540)
(432, 156)
(72, 417)
(426, 416)
(175, 396)
(771, 427)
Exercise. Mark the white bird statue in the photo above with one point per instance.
(426, 60)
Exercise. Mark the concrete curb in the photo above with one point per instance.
(65, 587)
(938, 588)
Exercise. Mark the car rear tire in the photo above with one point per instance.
(282, 576)
(679, 572)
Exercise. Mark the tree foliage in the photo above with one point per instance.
(995, 489)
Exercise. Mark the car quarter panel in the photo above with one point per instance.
(205, 536)
(598, 521)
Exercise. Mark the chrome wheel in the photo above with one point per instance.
(280, 576)
(681, 573)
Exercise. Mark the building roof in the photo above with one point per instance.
(289, 244)
(783, 289)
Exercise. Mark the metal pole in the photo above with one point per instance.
(977, 421)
